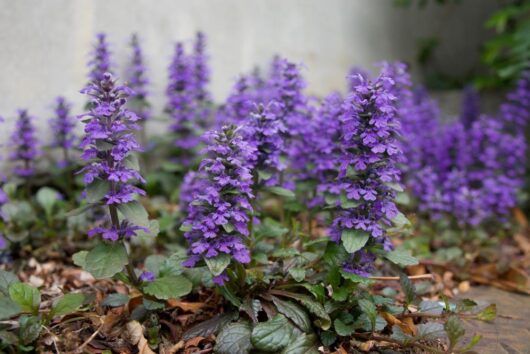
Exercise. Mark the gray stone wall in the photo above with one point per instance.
(44, 43)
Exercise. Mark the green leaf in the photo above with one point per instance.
(355, 278)
(400, 220)
(79, 258)
(488, 314)
(30, 327)
(218, 264)
(455, 330)
(354, 240)
(229, 295)
(369, 309)
(8, 308)
(135, 212)
(47, 198)
(67, 304)
(293, 312)
(312, 306)
(169, 287)
(407, 287)
(304, 344)
(228, 227)
(6, 279)
(115, 300)
(234, 338)
(154, 262)
(96, 190)
(401, 257)
(335, 253)
(342, 328)
(283, 192)
(185, 227)
(26, 296)
(273, 335)
(328, 338)
(474, 341)
(78, 211)
(105, 260)
(298, 274)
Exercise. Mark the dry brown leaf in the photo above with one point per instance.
(523, 242)
(185, 306)
(366, 346)
(194, 342)
(408, 326)
(390, 319)
(340, 350)
(418, 269)
(135, 334)
(176, 347)
(464, 286)
(520, 217)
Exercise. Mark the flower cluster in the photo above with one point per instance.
(180, 105)
(470, 169)
(264, 131)
(192, 184)
(200, 80)
(239, 103)
(108, 143)
(138, 81)
(218, 217)
(368, 172)
(24, 145)
(99, 64)
(63, 127)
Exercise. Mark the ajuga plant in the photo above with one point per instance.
(180, 96)
(368, 175)
(63, 127)
(219, 216)
(200, 79)
(137, 80)
(24, 146)
(110, 175)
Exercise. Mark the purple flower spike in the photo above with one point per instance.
(108, 144)
(24, 144)
(219, 214)
(99, 64)
(138, 81)
(180, 106)
(200, 80)
(470, 107)
(367, 172)
(63, 126)
(264, 131)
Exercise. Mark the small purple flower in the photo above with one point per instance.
(147, 277)
(63, 127)
(221, 279)
(24, 145)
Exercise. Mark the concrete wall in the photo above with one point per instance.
(44, 44)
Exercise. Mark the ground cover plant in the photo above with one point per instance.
(271, 222)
